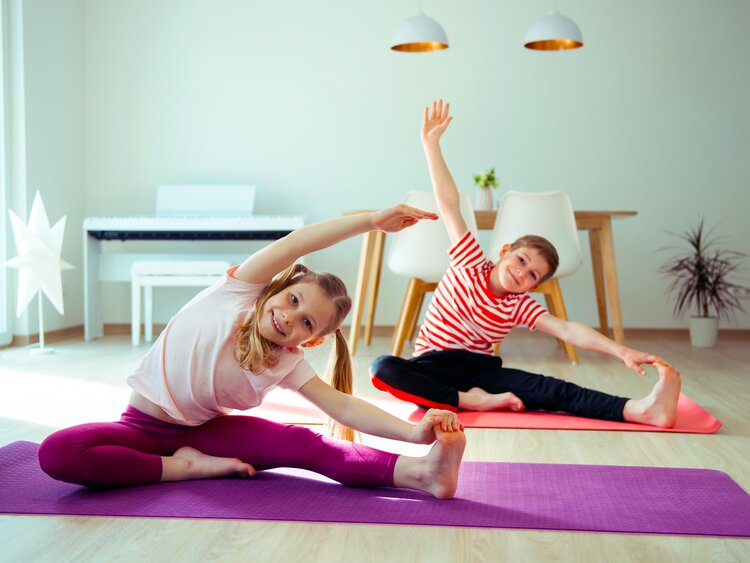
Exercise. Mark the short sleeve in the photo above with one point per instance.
(466, 253)
(300, 374)
(528, 312)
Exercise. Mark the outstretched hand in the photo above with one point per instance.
(633, 359)
(399, 217)
(436, 121)
(424, 432)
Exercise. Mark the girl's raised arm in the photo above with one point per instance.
(272, 259)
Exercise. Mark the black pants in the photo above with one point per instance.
(434, 379)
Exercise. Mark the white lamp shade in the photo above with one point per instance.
(419, 34)
(553, 32)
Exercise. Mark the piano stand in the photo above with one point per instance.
(116, 267)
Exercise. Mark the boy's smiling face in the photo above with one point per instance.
(518, 271)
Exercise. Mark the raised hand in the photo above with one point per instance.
(424, 431)
(399, 217)
(435, 122)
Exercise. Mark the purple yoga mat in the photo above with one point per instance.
(598, 498)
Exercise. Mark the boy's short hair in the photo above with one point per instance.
(544, 247)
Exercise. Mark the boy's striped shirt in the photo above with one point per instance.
(464, 314)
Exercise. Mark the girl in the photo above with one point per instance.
(226, 350)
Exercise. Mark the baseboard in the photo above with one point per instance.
(122, 329)
(68, 333)
(75, 333)
(726, 333)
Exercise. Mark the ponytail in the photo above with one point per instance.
(339, 372)
(255, 353)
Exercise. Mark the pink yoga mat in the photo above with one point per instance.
(284, 406)
(598, 498)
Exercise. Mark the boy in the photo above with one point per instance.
(477, 303)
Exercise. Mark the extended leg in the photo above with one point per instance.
(265, 445)
(540, 392)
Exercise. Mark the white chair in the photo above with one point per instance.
(549, 215)
(148, 274)
(421, 254)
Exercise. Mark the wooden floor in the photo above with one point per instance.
(84, 382)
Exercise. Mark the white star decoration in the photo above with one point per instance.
(38, 262)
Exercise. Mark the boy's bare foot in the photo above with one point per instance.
(437, 472)
(658, 408)
(477, 399)
(189, 463)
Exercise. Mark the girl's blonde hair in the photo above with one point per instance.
(255, 353)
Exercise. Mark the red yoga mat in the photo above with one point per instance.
(284, 406)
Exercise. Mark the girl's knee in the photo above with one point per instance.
(57, 455)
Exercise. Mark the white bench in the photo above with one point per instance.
(168, 273)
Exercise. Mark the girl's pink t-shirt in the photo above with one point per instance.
(191, 371)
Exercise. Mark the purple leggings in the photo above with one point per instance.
(128, 452)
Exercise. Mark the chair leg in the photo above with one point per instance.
(404, 318)
(135, 310)
(426, 288)
(148, 313)
(415, 317)
(562, 313)
(373, 287)
(549, 299)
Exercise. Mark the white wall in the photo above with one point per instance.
(305, 101)
(47, 141)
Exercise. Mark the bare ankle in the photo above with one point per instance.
(437, 472)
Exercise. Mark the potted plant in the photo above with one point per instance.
(700, 283)
(485, 181)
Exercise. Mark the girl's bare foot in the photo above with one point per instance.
(189, 463)
(658, 408)
(477, 399)
(437, 472)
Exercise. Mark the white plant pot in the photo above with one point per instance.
(703, 331)
(484, 201)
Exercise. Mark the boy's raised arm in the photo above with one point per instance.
(448, 200)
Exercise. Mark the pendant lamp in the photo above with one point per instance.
(553, 32)
(419, 34)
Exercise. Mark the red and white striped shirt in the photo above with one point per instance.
(464, 314)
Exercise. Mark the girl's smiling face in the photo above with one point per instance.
(296, 314)
(518, 271)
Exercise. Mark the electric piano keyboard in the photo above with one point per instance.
(253, 227)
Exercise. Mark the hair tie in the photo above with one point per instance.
(338, 331)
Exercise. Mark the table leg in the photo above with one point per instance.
(374, 285)
(363, 276)
(610, 280)
(596, 263)
(93, 326)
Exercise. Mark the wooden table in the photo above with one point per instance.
(598, 224)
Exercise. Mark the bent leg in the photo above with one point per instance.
(104, 454)
(409, 380)
(265, 445)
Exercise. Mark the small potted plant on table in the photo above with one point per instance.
(485, 181)
(700, 283)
